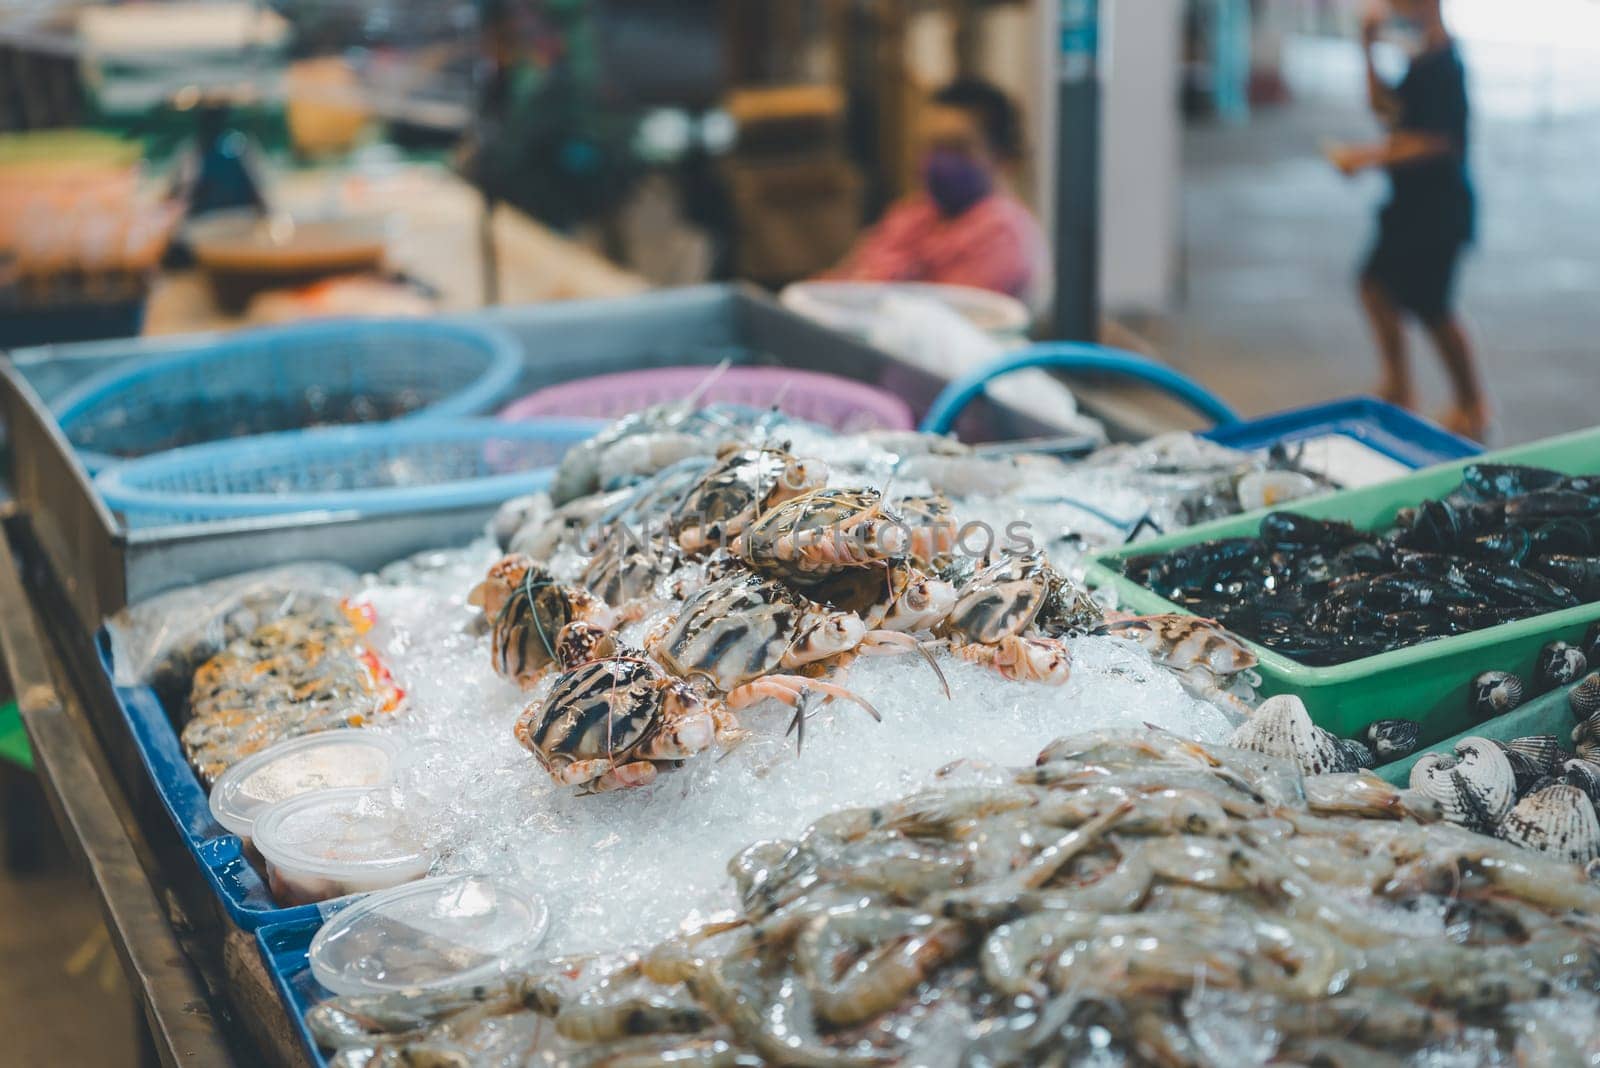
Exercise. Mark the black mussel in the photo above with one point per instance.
(1492, 482)
(1355, 755)
(1509, 582)
(1580, 574)
(1573, 537)
(1559, 664)
(1591, 643)
(1513, 544)
(1206, 564)
(1552, 504)
(1291, 530)
(1450, 525)
(1584, 774)
(1494, 693)
(1393, 739)
(1584, 698)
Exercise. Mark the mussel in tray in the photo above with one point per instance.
(1510, 543)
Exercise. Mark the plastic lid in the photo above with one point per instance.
(338, 834)
(323, 761)
(444, 931)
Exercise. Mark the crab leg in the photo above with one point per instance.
(894, 643)
(789, 689)
(601, 774)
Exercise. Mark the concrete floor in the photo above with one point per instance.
(63, 999)
(1272, 237)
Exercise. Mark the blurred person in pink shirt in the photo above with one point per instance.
(962, 227)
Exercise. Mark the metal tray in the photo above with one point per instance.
(104, 566)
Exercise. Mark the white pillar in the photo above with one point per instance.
(1141, 135)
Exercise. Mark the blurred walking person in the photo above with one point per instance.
(1430, 218)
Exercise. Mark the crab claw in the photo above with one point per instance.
(893, 643)
(797, 725)
(790, 689)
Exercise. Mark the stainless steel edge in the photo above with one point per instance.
(86, 803)
(80, 535)
(104, 567)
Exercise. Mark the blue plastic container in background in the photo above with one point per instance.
(288, 378)
(416, 465)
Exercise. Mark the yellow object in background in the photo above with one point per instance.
(325, 112)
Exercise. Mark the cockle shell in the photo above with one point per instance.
(1559, 664)
(1584, 774)
(1584, 700)
(1591, 643)
(1474, 784)
(1356, 754)
(1495, 693)
(1393, 739)
(1586, 738)
(1532, 758)
(1559, 820)
(1282, 727)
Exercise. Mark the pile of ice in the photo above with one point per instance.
(626, 868)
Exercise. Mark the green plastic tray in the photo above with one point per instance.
(1547, 714)
(1428, 682)
(14, 738)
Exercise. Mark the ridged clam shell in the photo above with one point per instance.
(1474, 784)
(1282, 727)
(1544, 750)
(1584, 774)
(1532, 758)
(1356, 754)
(1559, 664)
(1495, 693)
(1558, 820)
(1586, 738)
(1591, 643)
(1584, 700)
(1393, 739)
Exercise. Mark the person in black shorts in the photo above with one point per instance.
(1430, 217)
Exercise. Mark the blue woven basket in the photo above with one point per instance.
(289, 378)
(375, 470)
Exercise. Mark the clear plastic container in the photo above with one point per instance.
(448, 931)
(334, 842)
(325, 761)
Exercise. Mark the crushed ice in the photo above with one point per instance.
(626, 868)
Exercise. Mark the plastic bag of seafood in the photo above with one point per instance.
(303, 673)
(160, 641)
(1132, 898)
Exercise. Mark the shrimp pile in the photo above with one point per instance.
(1130, 899)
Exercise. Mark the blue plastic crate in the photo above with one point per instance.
(375, 470)
(218, 853)
(285, 949)
(287, 378)
(1405, 438)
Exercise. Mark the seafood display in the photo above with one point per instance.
(303, 673)
(765, 572)
(1510, 543)
(1132, 898)
(725, 627)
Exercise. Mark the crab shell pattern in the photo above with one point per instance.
(612, 722)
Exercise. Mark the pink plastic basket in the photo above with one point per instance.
(832, 401)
